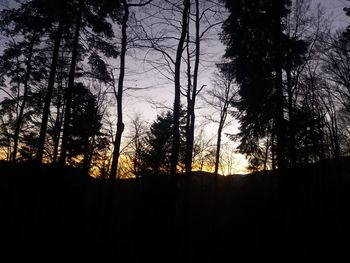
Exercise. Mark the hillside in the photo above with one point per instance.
(301, 216)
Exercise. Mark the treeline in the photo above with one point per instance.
(291, 69)
(285, 77)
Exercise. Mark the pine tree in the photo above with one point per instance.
(19, 62)
(253, 34)
(156, 152)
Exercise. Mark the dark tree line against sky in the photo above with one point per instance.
(284, 78)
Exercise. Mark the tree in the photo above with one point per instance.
(156, 153)
(84, 125)
(335, 98)
(221, 97)
(56, 11)
(305, 28)
(172, 43)
(69, 90)
(9, 112)
(137, 136)
(177, 93)
(337, 69)
(93, 15)
(258, 52)
(62, 17)
(205, 18)
(24, 27)
(119, 91)
(202, 151)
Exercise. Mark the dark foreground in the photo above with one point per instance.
(58, 215)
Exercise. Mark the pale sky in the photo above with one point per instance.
(163, 91)
(140, 76)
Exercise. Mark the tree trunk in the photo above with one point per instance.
(176, 115)
(70, 88)
(266, 156)
(49, 91)
(218, 149)
(88, 152)
(280, 128)
(120, 124)
(189, 104)
(25, 97)
(273, 147)
(57, 129)
(291, 145)
(192, 114)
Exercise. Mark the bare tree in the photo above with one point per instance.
(119, 92)
(202, 149)
(304, 28)
(206, 17)
(135, 146)
(221, 98)
(172, 39)
(177, 81)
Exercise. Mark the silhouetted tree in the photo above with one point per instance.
(57, 12)
(253, 34)
(202, 151)
(135, 147)
(19, 62)
(157, 146)
(221, 97)
(177, 85)
(174, 43)
(118, 91)
(93, 15)
(206, 16)
(84, 125)
(9, 112)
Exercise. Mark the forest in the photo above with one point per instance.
(175, 130)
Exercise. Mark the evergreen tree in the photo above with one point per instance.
(156, 152)
(22, 62)
(253, 34)
(84, 125)
(87, 15)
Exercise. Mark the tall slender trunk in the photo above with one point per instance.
(91, 153)
(192, 113)
(189, 98)
(223, 116)
(335, 132)
(70, 88)
(120, 124)
(306, 143)
(291, 144)
(57, 128)
(57, 136)
(218, 149)
(49, 91)
(88, 149)
(280, 127)
(25, 97)
(266, 155)
(176, 114)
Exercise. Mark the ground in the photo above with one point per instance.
(57, 214)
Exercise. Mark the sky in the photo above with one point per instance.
(162, 91)
(334, 8)
(155, 88)
(138, 102)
